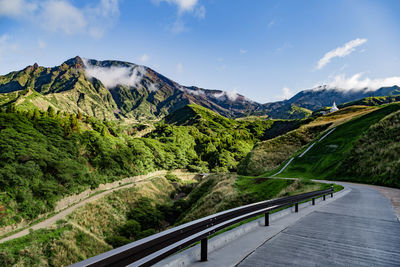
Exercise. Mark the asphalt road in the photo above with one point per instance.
(359, 229)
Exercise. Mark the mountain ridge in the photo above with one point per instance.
(113, 90)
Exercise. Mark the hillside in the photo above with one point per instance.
(47, 155)
(364, 149)
(111, 90)
(268, 155)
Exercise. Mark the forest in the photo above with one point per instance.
(46, 155)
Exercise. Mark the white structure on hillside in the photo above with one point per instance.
(333, 108)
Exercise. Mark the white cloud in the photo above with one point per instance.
(41, 44)
(101, 17)
(356, 82)
(200, 12)
(287, 93)
(231, 95)
(183, 6)
(341, 51)
(271, 23)
(108, 8)
(192, 92)
(113, 76)
(152, 87)
(242, 51)
(14, 8)
(144, 58)
(179, 68)
(63, 16)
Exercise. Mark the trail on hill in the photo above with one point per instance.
(62, 214)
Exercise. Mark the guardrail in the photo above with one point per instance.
(152, 249)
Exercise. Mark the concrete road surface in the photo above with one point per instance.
(359, 229)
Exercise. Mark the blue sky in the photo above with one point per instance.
(265, 50)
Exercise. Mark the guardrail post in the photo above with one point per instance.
(323, 197)
(296, 207)
(204, 248)
(313, 200)
(267, 219)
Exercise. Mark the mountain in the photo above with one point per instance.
(112, 90)
(320, 97)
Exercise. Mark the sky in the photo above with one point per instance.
(264, 50)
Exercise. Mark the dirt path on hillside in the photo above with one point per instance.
(109, 188)
(62, 214)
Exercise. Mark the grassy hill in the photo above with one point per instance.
(268, 155)
(364, 149)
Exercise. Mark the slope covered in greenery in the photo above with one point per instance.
(77, 86)
(45, 156)
(364, 149)
(373, 101)
(268, 155)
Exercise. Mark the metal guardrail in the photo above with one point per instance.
(154, 248)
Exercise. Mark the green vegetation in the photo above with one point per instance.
(362, 150)
(45, 156)
(373, 101)
(49, 247)
(374, 157)
(268, 155)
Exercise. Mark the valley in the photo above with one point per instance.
(87, 165)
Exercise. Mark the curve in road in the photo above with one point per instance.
(359, 229)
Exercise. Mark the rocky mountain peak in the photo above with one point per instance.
(75, 62)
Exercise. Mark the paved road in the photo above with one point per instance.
(359, 229)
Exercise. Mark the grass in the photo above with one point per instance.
(324, 160)
(81, 235)
(267, 156)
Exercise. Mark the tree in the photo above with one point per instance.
(79, 115)
(50, 111)
(36, 114)
(11, 108)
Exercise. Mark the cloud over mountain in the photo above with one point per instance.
(357, 82)
(115, 75)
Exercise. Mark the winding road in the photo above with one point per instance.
(359, 229)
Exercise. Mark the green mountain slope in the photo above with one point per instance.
(364, 149)
(111, 90)
(268, 155)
